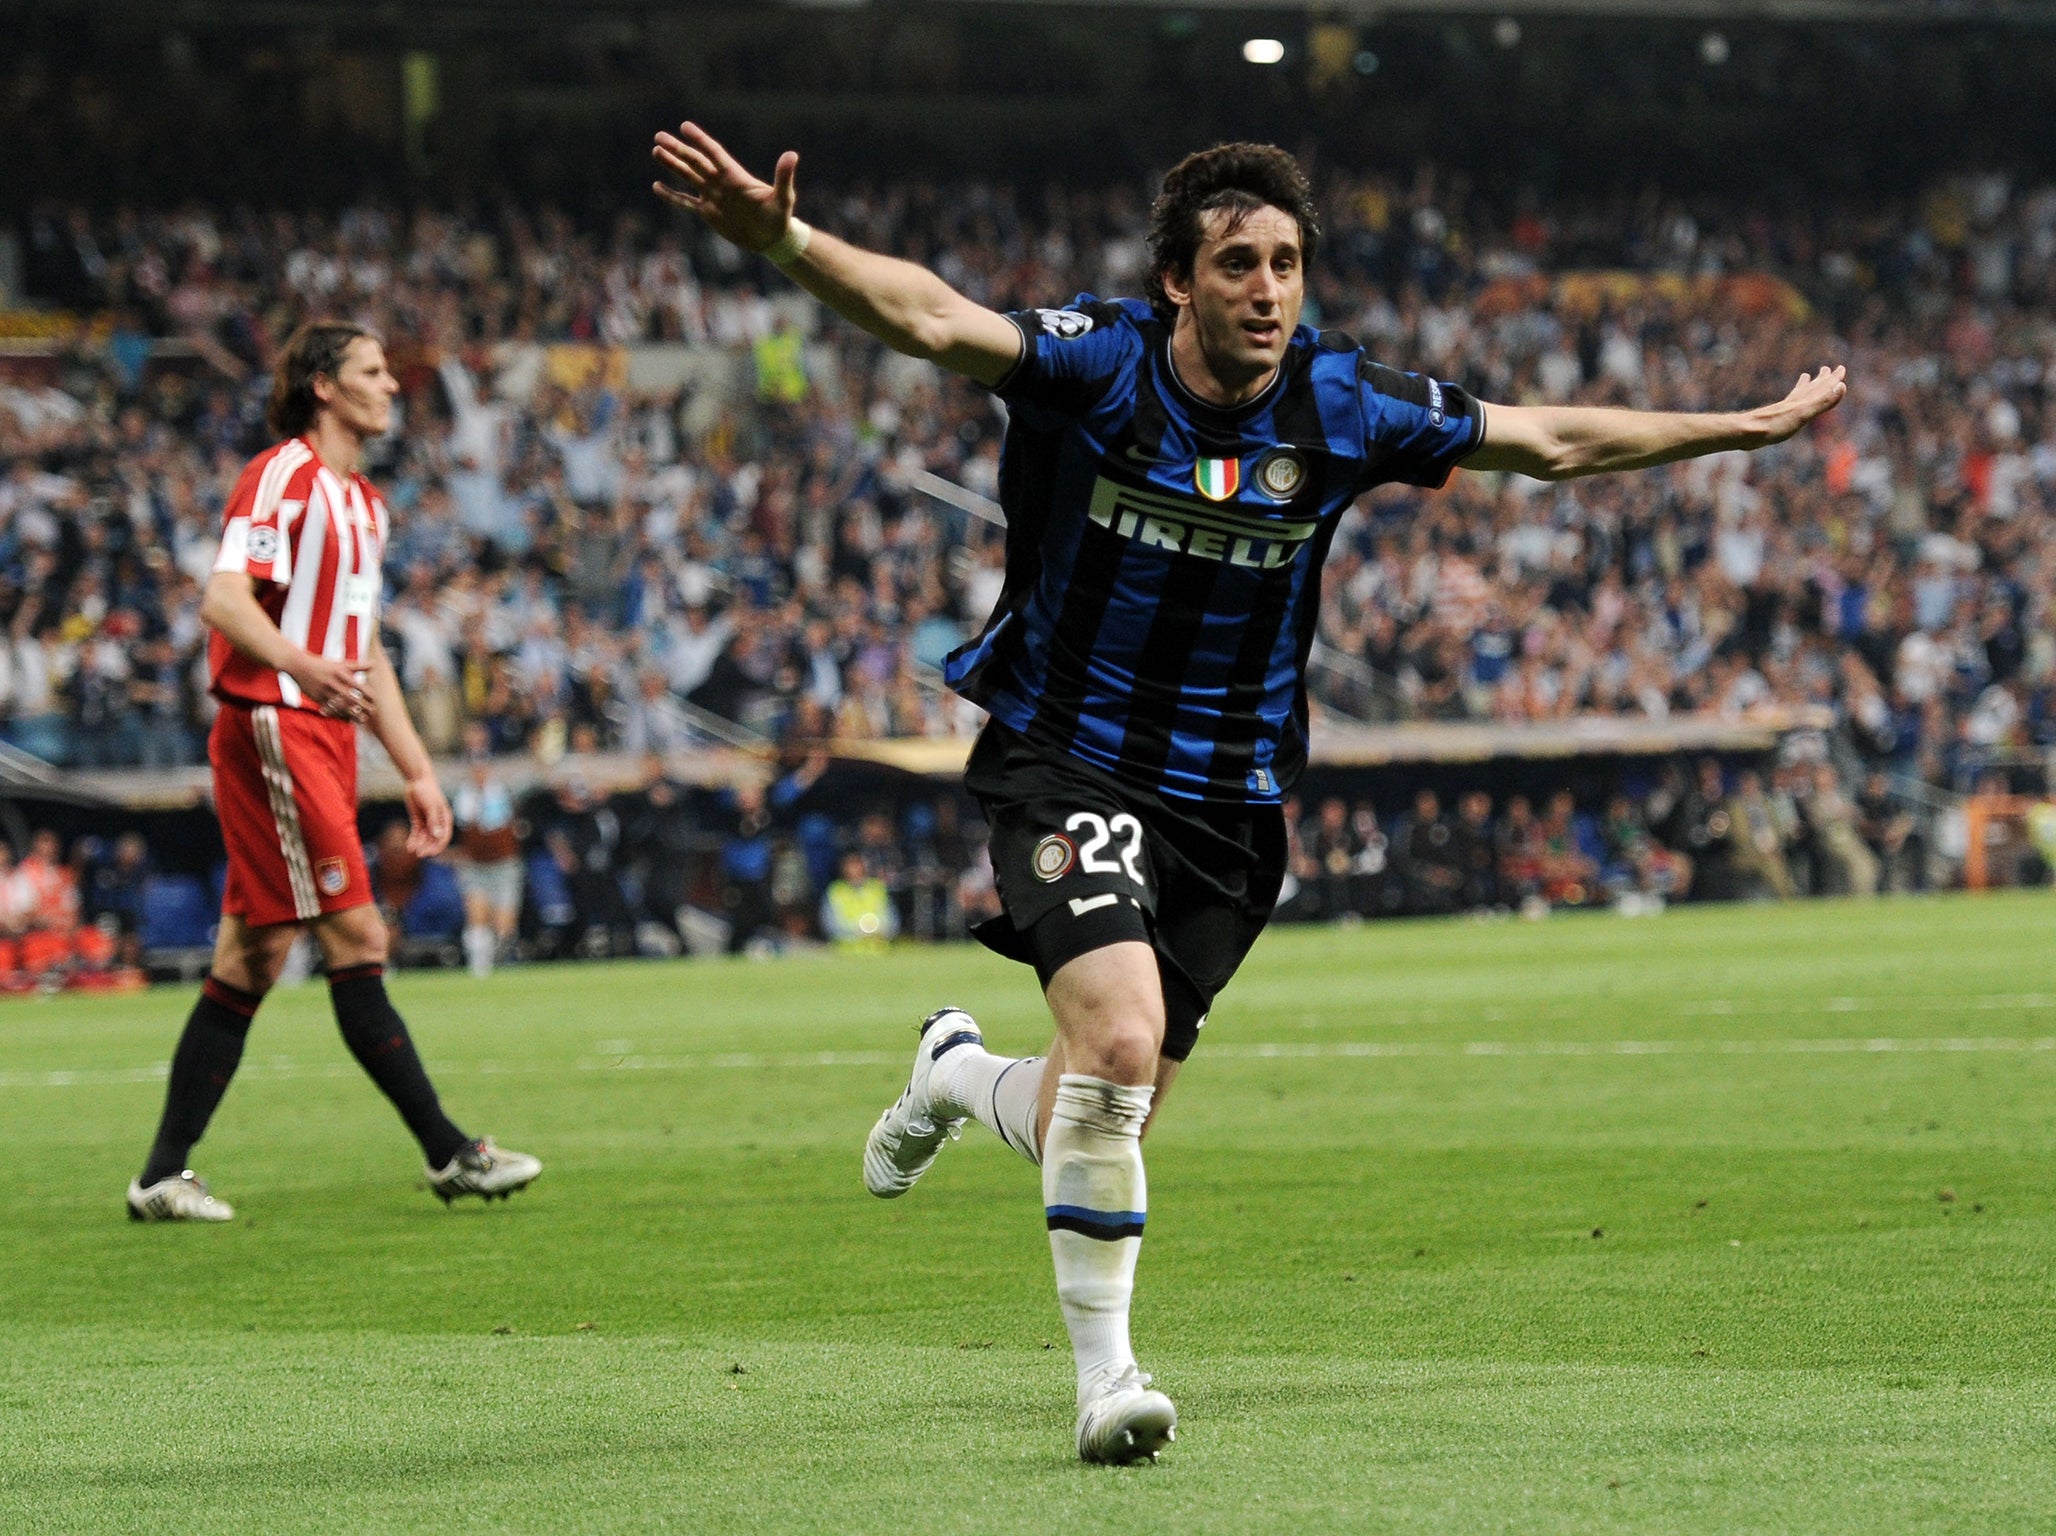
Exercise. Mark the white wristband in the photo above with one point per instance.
(787, 247)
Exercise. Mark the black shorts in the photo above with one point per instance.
(1083, 861)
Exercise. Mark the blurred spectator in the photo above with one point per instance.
(1377, 893)
(1569, 865)
(116, 894)
(487, 853)
(582, 837)
(1635, 862)
(1518, 843)
(47, 888)
(746, 853)
(857, 911)
(1474, 853)
(1892, 833)
(1849, 868)
(1692, 816)
(660, 839)
(1756, 840)
(1332, 851)
(1434, 878)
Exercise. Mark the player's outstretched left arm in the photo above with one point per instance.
(428, 809)
(905, 306)
(1561, 442)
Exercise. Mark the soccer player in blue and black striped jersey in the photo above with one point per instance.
(1174, 469)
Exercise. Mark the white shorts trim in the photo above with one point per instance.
(285, 811)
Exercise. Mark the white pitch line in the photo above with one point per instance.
(1986, 1002)
(283, 1067)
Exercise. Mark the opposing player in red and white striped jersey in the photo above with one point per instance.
(296, 664)
(311, 539)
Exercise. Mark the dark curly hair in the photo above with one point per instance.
(1238, 177)
(316, 348)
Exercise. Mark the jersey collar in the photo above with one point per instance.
(1204, 412)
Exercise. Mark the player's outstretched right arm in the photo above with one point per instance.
(905, 306)
(230, 607)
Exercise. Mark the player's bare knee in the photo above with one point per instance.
(1118, 1040)
(1126, 1053)
(355, 937)
(370, 943)
(248, 968)
(251, 958)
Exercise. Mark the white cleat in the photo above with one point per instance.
(905, 1141)
(181, 1197)
(486, 1170)
(1122, 1421)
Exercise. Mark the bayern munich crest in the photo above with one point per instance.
(1280, 473)
(1053, 857)
(332, 876)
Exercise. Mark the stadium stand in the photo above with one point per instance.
(650, 503)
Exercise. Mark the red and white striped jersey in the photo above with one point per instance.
(314, 541)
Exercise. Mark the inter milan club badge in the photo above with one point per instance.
(1218, 479)
(1280, 473)
(1052, 857)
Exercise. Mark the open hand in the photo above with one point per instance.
(428, 817)
(736, 205)
(1814, 395)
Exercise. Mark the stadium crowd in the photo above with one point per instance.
(585, 563)
(664, 868)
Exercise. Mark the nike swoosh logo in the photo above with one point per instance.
(1135, 453)
(1080, 905)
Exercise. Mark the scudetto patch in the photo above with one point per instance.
(1280, 473)
(1217, 479)
(332, 876)
(1053, 857)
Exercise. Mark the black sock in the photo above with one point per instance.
(377, 1037)
(206, 1059)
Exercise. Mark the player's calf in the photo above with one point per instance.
(377, 1036)
(1095, 1201)
(210, 1048)
(1002, 1093)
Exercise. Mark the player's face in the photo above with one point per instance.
(1248, 284)
(360, 396)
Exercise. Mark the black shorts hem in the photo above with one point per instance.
(1061, 937)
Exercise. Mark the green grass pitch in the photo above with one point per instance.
(1735, 1221)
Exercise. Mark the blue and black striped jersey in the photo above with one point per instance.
(1164, 554)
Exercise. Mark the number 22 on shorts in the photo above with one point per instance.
(1097, 834)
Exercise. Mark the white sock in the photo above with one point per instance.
(1000, 1092)
(1095, 1197)
(478, 949)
